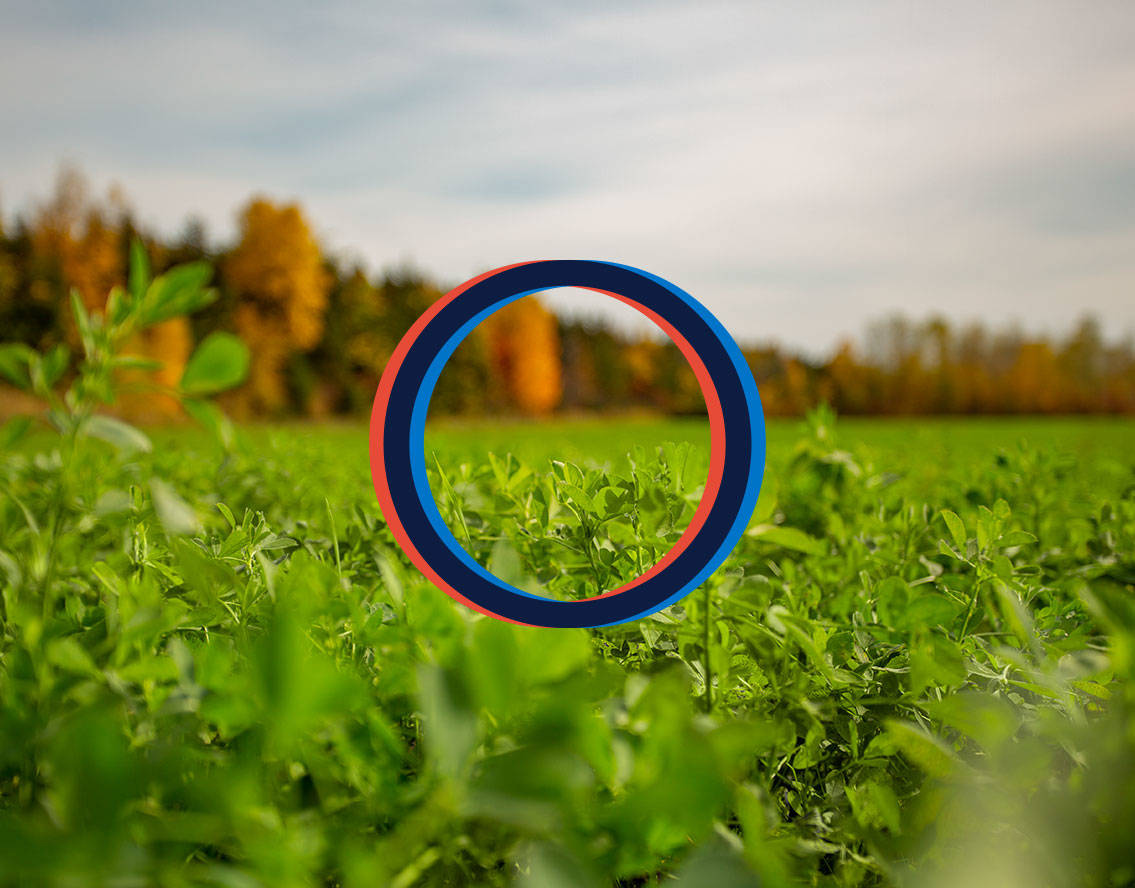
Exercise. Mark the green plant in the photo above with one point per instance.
(220, 361)
(222, 671)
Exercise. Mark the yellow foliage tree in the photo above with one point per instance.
(641, 358)
(277, 274)
(1034, 380)
(524, 343)
(87, 243)
(75, 234)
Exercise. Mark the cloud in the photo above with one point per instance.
(799, 168)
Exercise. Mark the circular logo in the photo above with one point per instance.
(397, 443)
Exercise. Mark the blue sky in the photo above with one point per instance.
(800, 168)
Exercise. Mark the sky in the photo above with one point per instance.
(800, 168)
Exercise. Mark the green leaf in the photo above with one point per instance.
(548, 655)
(788, 538)
(122, 435)
(69, 655)
(875, 806)
(139, 270)
(211, 417)
(989, 720)
(15, 358)
(956, 527)
(117, 305)
(927, 608)
(55, 364)
(176, 515)
(451, 724)
(136, 362)
(82, 322)
(180, 291)
(1017, 616)
(504, 562)
(716, 864)
(579, 497)
(766, 502)
(1016, 538)
(209, 577)
(13, 430)
(613, 501)
(220, 362)
(111, 502)
(551, 866)
(930, 754)
(936, 661)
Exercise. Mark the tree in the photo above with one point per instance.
(525, 346)
(1082, 360)
(1034, 384)
(82, 245)
(849, 380)
(277, 275)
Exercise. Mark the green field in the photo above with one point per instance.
(922, 448)
(216, 668)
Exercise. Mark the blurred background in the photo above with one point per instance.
(894, 210)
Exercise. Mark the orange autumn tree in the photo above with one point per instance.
(73, 232)
(641, 357)
(87, 243)
(277, 274)
(524, 344)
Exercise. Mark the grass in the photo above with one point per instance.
(922, 445)
(216, 668)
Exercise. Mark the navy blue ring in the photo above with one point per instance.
(403, 446)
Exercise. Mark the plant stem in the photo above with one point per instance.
(707, 667)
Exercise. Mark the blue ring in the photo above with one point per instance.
(404, 451)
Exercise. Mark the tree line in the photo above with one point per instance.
(321, 330)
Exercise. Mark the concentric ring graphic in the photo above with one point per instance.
(737, 443)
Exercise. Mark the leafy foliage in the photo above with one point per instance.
(216, 668)
(321, 329)
(278, 273)
(524, 344)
